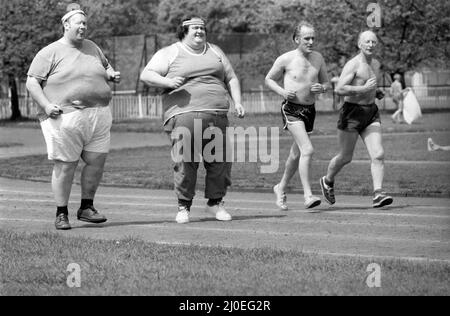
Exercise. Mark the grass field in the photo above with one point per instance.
(325, 123)
(151, 167)
(36, 264)
(133, 267)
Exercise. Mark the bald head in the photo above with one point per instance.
(367, 36)
(367, 43)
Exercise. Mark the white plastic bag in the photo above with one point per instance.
(411, 108)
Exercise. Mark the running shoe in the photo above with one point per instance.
(327, 191)
(381, 199)
(280, 198)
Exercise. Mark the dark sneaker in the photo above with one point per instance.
(381, 199)
(312, 202)
(327, 192)
(90, 215)
(62, 222)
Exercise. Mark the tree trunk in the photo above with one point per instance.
(16, 115)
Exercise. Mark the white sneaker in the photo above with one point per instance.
(430, 145)
(280, 198)
(219, 211)
(182, 215)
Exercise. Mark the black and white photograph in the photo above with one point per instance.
(224, 156)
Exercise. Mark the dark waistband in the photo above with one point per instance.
(286, 102)
(356, 104)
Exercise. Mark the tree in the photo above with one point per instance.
(413, 33)
(27, 26)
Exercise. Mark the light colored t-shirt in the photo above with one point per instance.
(205, 87)
(72, 74)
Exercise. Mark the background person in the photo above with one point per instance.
(432, 146)
(68, 79)
(398, 93)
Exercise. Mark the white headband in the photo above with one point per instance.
(194, 21)
(70, 14)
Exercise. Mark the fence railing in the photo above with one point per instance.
(137, 106)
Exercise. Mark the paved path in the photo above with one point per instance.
(415, 229)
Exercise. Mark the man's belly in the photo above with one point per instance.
(303, 94)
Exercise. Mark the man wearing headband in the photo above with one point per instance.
(68, 79)
(196, 77)
(359, 117)
(304, 76)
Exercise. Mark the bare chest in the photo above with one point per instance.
(366, 71)
(301, 69)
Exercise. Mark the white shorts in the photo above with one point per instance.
(81, 130)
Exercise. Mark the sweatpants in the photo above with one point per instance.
(192, 136)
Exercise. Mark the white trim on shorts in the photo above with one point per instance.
(292, 122)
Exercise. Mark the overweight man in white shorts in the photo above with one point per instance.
(68, 79)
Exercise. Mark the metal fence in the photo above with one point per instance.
(138, 106)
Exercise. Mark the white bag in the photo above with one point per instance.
(411, 108)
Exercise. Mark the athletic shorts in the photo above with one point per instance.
(81, 130)
(356, 117)
(293, 113)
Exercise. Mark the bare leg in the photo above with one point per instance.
(373, 140)
(397, 116)
(92, 173)
(62, 178)
(306, 152)
(435, 147)
(291, 167)
(347, 142)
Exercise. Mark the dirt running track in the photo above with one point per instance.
(416, 229)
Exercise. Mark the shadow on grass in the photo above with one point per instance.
(240, 218)
(120, 224)
(360, 208)
(149, 223)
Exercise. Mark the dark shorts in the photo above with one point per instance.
(356, 117)
(292, 113)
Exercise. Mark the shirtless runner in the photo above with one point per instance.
(304, 76)
(359, 116)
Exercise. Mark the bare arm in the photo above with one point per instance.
(232, 81)
(344, 86)
(34, 87)
(323, 74)
(154, 74)
(112, 74)
(323, 84)
(275, 74)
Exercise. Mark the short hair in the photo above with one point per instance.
(397, 75)
(298, 28)
(183, 30)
